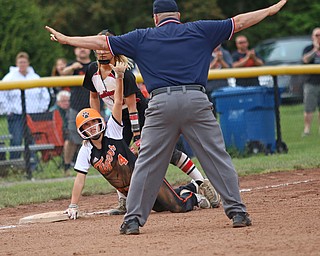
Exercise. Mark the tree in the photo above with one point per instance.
(298, 17)
(80, 17)
(23, 30)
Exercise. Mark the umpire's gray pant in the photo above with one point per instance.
(169, 114)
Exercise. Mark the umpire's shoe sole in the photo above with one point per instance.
(130, 227)
(240, 220)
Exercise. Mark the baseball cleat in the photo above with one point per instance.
(210, 193)
(121, 208)
(203, 202)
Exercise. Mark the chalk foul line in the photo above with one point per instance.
(241, 190)
(275, 186)
(7, 227)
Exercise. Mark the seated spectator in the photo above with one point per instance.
(37, 100)
(245, 57)
(62, 105)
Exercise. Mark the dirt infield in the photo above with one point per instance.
(284, 207)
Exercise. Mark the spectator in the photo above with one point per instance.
(57, 69)
(79, 99)
(311, 55)
(245, 57)
(37, 100)
(221, 58)
(62, 105)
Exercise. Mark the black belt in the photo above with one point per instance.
(182, 88)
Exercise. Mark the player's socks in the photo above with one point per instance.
(188, 167)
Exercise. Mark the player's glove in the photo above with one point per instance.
(73, 211)
(135, 147)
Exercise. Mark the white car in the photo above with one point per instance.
(284, 51)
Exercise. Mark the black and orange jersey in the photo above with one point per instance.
(114, 160)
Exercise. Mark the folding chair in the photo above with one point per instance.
(47, 128)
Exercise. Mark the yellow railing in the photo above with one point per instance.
(213, 74)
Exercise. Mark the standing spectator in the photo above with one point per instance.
(57, 70)
(37, 100)
(221, 58)
(58, 67)
(174, 61)
(79, 99)
(311, 90)
(245, 57)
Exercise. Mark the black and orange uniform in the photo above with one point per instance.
(115, 162)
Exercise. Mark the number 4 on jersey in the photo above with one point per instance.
(122, 160)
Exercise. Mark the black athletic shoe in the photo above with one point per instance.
(130, 227)
(241, 219)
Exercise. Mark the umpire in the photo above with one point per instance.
(174, 59)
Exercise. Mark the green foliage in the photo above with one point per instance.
(23, 23)
(195, 10)
(23, 30)
(296, 18)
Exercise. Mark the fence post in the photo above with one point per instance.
(281, 147)
(27, 154)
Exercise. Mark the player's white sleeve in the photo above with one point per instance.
(83, 159)
(114, 129)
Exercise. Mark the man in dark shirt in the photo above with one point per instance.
(245, 57)
(79, 99)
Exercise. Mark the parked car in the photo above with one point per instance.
(284, 51)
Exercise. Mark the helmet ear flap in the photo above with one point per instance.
(86, 115)
(92, 131)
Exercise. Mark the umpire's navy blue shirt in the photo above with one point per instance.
(173, 53)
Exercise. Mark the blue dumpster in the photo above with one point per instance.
(247, 117)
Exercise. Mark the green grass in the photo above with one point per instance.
(37, 192)
(303, 154)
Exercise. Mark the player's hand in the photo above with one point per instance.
(73, 211)
(56, 36)
(119, 69)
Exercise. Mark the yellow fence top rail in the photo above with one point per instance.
(65, 81)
